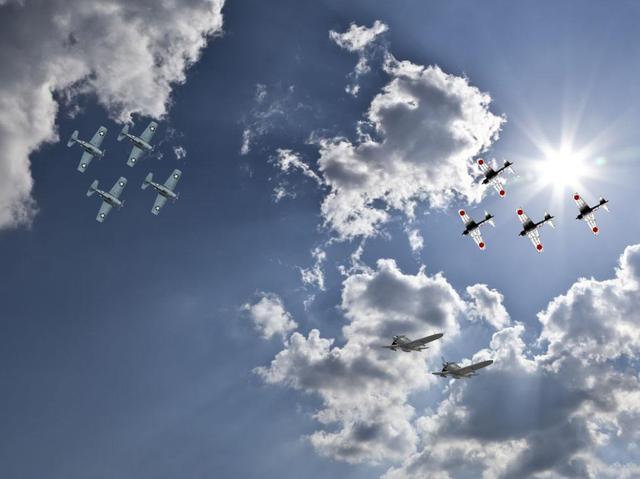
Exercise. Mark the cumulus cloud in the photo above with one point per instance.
(366, 415)
(128, 53)
(426, 127)
(269, 316)
(565, 404)
(488, 304)
(554, 414)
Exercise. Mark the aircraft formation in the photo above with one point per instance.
(530, 229)
(449, 369)
(141, 145)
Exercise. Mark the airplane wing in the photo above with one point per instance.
(85, 159)
(118, 187)
(172, 181)
(472, 368)
(148, 133)
(524, 218)
(105, 208)
(580, 203)
(422, 341)
(534, 236)
(158, 204)
(484, 166)
(591, 221)
(464, 217)
(498, 186)
(134, 156)
(477, 237)
(98, 137)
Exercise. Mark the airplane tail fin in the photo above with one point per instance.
(147, 180)
(488, 217)
(123, 132)
(603, 203)
(549, 219)
(72, 139)
(92, 188)
(507, 165)
(177, 196)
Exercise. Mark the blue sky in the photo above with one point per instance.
(128, 347)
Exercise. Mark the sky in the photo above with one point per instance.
(326, 148)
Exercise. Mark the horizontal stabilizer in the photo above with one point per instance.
(123, 132)
(147, 180)
(92, 188)
(72, 139)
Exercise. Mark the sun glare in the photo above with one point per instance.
(563, 168)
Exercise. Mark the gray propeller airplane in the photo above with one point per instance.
(165, 191)
(587, 212)
(110, 199)
(493, 176)
(407, 345)
(458, 372)
(472, 228)
(91, 148)
(141, 144)
(530, 229)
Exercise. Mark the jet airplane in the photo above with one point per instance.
(493, 176)
(91, 148)
(458, 372)
(472, 228)
(165, 191)
(141, 144)
(587, 212)
(530, 229)
(407, 345)
(109, 199)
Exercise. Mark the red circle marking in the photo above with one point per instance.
(481, 161)
(502, 192)
(481, 245)
(576, 197)
(519, 212)
(595, 229)
(461, 212)
(539, 247)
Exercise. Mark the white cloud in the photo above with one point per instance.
(488, 305)
(366, 415)
(129, 53)
(573, 410)
(180, 152)
(357, 37)
(427, 127)
(363, 41)
(288, 161)
(315, 274)
(416, 241)
(269, 316)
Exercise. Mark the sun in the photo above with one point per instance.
(563, 167)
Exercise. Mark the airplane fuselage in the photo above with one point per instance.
(491, 174)
(109, 198)
(585, 210)
(89, 148)
(139, 142)
(163, 190)
(530, 226)
(474, 226)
